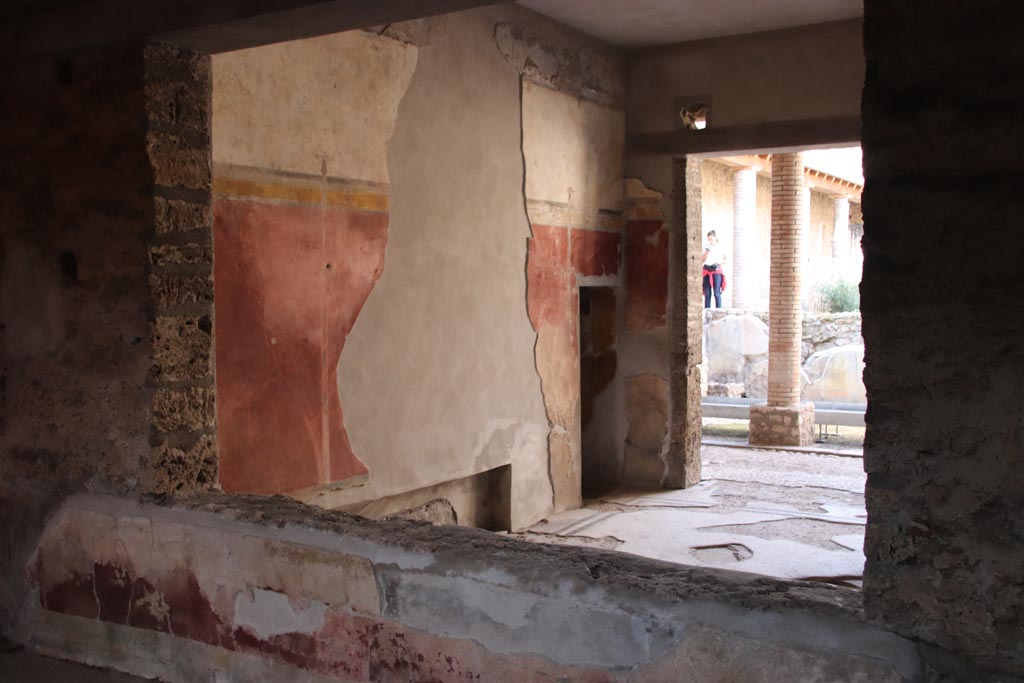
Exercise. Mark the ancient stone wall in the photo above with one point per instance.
(942, 324)
(76, 306)
(249, 588)
(106, 302)
(183, 438)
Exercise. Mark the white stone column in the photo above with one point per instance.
(841, 236)
(744, 224)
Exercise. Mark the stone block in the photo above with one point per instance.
(173, 216)
(728, 389)
(731, 343)
(171, 289)
(191, 409)
(179, 107)
(439, 511)
(179, 471)
(182, 348)
(835, 374)
(647, 417)
(782, 425)
(165, 61)
(177, 163)
(755, 379)
(170, 255)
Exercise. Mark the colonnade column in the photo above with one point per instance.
(785, 421)
(841, 236)
(744, 221)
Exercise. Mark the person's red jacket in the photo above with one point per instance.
(714, 272)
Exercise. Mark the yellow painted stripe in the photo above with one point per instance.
(301, 194)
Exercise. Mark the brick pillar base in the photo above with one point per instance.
(782, 425)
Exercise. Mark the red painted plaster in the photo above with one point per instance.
(553, 308)
(550, 279)
(289, 283)
(646, 261)
(347, 646)
(595, 252)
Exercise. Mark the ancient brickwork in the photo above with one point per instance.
(183, 455)
(789, 221)
(77, 326)
(783, 421)
(941, 301)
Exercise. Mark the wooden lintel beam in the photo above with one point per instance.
(758, 137)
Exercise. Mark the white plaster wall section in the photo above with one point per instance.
(573, 149)
(793, 628)
(511, 620)
(443, 347)
(270, 613)
(334, 96)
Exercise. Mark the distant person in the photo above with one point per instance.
(714, 278)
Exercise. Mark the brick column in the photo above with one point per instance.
(784, 421)
(744, 218)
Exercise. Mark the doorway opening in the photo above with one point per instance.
(598, 367)
(764, 505)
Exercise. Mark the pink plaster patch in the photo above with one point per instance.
(289, 283)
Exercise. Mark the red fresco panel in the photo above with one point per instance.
(595, 252)
(548, 276)
(646, 261)
(280, 327)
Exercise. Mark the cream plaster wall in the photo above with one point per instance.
(326, 103)
(437, 378)
(572, 149)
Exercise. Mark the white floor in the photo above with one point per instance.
(782, 514)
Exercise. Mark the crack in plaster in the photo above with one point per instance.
(526, 290)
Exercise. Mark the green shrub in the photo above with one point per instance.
(840, 296)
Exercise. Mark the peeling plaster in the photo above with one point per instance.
(585, 70)
(269, 613)
(487, 606)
